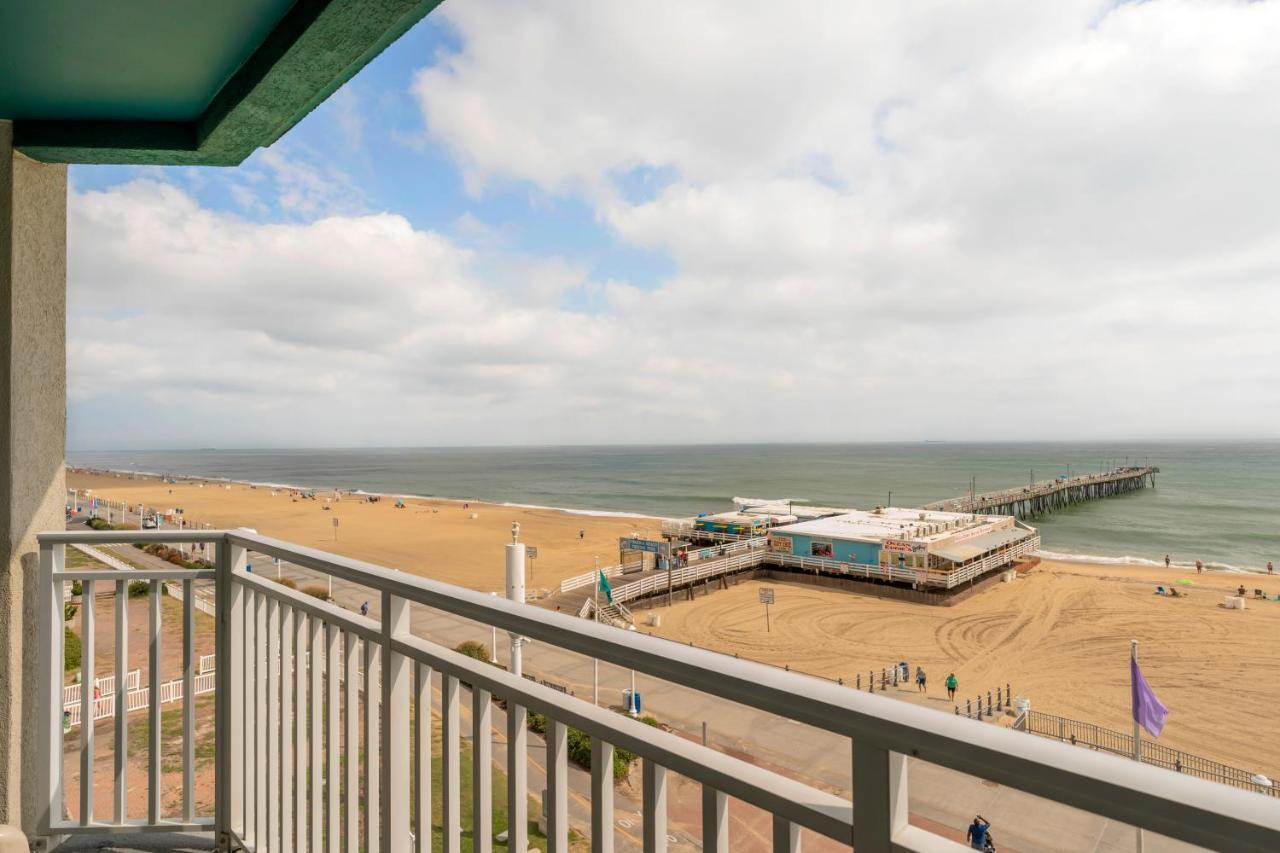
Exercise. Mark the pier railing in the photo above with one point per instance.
(1119, 743)
(687, 530)
(302, 758)
(1038, 497)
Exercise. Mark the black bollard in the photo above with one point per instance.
(895, 676)
(968, 708)
(859, 681)
(788, 667)
(871, 682)
(988, 703)
(840, 681)
(999, 701)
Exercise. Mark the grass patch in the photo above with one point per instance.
(70, 650)
(77, 559)
(537, 840)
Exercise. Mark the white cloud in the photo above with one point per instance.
(1075, 199)
(965, 221)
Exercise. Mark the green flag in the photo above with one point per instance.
(605, 588)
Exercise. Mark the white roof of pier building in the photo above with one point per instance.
(784, 506)
(946, 533)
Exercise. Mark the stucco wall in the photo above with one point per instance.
(33, 429)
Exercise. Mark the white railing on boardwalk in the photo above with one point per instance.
(660, 582)
(283, 727)
(588, 578)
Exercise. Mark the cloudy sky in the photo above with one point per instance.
(596, 222)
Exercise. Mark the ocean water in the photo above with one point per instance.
(1215, 502)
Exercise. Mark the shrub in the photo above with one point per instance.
(579, 744)
(316, 592)
(138, 589)
(288, 582)
(177, 559)
(472, 649)
(77, 588)
(70, 650)
(100, 524)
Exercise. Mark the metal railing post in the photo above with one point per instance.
(654, 806)
(229, 697)
(715, 821)
(879, 797)
(51, 630)
(396, 683)
(601, 796)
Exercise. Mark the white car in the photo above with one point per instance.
(149, 523)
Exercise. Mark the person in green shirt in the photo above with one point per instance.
(952, 684)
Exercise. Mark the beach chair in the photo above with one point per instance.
(1160, 590)
(1175, 594)
(1257, 593)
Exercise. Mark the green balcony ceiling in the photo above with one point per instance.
(179, 82)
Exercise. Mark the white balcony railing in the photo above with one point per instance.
(291, 772)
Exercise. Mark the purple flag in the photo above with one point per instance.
(1148, 711)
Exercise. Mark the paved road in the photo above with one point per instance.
(941, 799)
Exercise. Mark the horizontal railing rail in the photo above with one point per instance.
(277, 647)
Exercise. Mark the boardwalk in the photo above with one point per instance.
(1049, 495)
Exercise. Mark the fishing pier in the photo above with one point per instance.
(1049, 495)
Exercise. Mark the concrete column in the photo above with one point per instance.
(33, 430)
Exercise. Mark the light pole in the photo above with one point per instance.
(515, 592)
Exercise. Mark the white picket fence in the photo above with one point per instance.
(203, 603)
(106, 684)
(137, 699)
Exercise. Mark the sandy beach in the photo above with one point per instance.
(1059, 635)
(434, 538)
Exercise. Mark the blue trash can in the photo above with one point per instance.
(628, 698)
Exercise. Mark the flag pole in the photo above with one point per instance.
(1137, 729)
(596, 599)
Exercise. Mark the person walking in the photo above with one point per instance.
(364, 609)
(1166, 561)
(1271, 570)
(952, 684)
(920, 679)
(977, 834)
(1199, 567)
